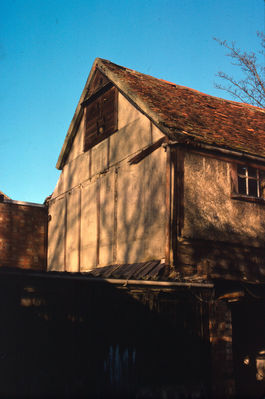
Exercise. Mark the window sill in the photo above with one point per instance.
(247, 198)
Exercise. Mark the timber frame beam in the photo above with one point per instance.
(174, 200)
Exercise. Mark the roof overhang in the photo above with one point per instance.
(125, 91)
(176, 137)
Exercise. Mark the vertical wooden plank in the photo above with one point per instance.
(174, 201)
(108, 151)
(98, 221)
(174, 207)
(73, 226)
(168, 206)
(56, 235)
(45, 261)
(89, 226)
(90, 163)
(106, 218)
(179, 187)
(65, 231)
(115, 216)
(79, 228)
(178, 155)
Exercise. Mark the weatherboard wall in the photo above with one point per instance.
(105, 210)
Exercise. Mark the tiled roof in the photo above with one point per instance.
(187, 113)
(182, 114)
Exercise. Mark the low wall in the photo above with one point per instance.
(23, 235)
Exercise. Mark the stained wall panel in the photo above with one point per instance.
(106, 219)
(56, 235)
(88, 247)
(72, 233)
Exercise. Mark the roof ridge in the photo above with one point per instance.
(182, 86)
(178, 111)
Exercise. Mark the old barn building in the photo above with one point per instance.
(154, 285)
(153, 171)
(163, 189)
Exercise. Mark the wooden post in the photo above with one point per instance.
(65, 231)
(98, 222)
(45, 261)
(168, 206)
(79, 227)
(174, 200)
(115, 199)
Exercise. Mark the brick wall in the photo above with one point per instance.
(23, 235)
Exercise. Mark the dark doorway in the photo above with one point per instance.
(248, 319)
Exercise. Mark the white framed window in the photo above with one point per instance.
(248, 181)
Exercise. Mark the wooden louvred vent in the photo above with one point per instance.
(100, 118)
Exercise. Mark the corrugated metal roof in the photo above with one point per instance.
(136, 271)
(152, 272)
(144, 271)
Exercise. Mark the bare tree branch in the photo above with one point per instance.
(250, 89)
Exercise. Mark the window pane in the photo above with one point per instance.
(252, 172)
(242, 187)
(241, 170)
(252, 188)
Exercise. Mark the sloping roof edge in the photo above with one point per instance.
(124, 89)
(75, 120)
(176, 133)
(3, 195)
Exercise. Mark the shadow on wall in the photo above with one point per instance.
(79, 339)
(125, 222)
(140, 225)
(222, 237)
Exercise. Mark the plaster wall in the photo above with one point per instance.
(104, 210)
(223, 237)
(210, 213)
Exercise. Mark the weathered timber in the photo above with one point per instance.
(168, 207)
(222, 259)
(98, 221)
(100, 117)
(144, 153)
(113, 331)
(177, 156)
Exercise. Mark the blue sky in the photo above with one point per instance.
(47, 49)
